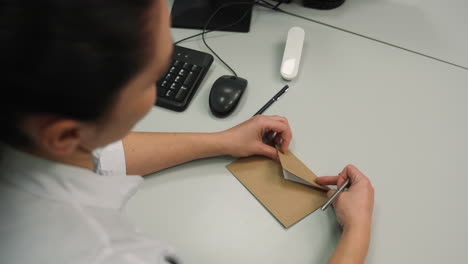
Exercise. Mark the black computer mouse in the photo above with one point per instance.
(225, 94)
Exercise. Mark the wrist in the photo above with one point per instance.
(359, 226)
(220, 144)
(360, 232)
(353, 246)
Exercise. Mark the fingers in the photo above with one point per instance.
(354, 174)
(349, 171)
(279, 125)
(270, 136)
(358, 180)
(281, 140)
(268, 151)
(279, 118)
(342, 177)
(278, 141)
(327, 180)
(332, 180)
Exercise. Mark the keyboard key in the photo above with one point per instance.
(177, 63)
(170, 77)
(187, 66)
(169, 93)
(190, 79)
(173, 70)
(196, 68)
(178, 79)
(164, 84)
(183, 72)
(182, 93)
(174, 86)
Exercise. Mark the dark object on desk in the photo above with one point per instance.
(225, 94)
(272, 100)
(177, 87)
(195, 13)
(322, 4)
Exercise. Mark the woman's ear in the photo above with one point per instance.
(59, 137)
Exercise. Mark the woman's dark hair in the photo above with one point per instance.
(68, 57)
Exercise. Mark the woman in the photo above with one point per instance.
(77, 76)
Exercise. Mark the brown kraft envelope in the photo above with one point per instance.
(287, 200)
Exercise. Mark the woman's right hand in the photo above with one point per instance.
(354, 205)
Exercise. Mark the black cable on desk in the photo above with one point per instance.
(211, 18)
(257, 2)
(205, 31)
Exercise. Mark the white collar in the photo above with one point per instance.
(63, 182)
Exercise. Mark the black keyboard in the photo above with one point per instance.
(179, 84)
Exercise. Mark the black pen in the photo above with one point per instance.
(272, 100)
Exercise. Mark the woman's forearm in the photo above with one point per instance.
(353, 246)
(148, 152)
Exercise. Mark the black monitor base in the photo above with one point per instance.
(195, 13)
(322, 4)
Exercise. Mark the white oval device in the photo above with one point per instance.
(292, 53)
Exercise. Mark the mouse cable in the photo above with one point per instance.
(252, 3)
(205, 31)
(211, 18)
(269, 6)
(211, 30)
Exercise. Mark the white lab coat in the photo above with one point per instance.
(52, 213)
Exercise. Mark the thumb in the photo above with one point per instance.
(268, 151)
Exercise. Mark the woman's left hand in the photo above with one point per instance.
(246, 139)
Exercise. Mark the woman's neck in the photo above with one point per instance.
(81, 157)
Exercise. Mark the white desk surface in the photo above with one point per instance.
(432, 27)
(400, 117)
